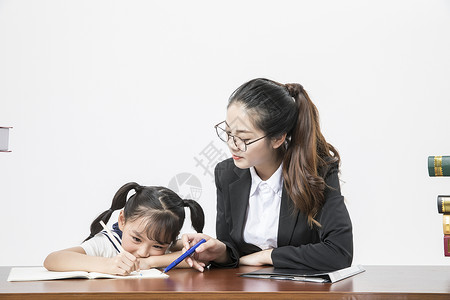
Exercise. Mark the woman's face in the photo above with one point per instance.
(135, 240)
(259, 154)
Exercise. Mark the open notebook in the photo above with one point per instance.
(41, 273)
(302, 275)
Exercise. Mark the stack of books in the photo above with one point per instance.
(443, 203)
(440, 166)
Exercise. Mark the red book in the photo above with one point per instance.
(447, 245)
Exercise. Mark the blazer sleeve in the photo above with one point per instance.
(223, 225)
(334, 250)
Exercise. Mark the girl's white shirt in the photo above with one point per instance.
(100, 245)
(263, 211)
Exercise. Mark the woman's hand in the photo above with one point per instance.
(259, 258)
(212, 250)
(123, 264)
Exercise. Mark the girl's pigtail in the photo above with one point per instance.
(118, 202)
(197, 215)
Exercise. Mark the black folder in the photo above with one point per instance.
(303, 275)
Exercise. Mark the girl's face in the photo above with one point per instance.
(135, 240)
(263, 154)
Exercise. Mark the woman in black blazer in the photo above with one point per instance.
(278, 197)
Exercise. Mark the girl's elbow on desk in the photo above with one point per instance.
(63, 260)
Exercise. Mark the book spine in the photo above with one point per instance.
(446, 224)
(443, 204)
(438, 166)
(447, 245)
(4, 136)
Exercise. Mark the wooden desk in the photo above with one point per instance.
(377, 282)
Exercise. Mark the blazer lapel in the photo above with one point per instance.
(239, 193)
(288, 219)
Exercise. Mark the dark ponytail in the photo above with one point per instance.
(197, 215)
(161, 208)
(118, 202)
(306, 153)
(279, 109)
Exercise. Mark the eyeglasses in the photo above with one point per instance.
(238, 142)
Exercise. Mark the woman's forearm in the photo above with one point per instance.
(259, 258)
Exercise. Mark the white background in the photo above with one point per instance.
(101, 93)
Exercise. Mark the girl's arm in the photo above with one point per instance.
(177, 246)
(160, 261)
(75, 259)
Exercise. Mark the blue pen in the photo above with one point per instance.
(183, 256)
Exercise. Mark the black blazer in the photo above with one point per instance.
(329, 247)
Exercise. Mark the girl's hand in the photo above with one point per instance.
(257, 259)
(212, 250)
(124, 263)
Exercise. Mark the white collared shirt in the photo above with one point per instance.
(263, 211)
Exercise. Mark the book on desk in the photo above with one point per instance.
(41, 273)
(303, 275)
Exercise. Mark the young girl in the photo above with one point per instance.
(278, 197)
(147, 227)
